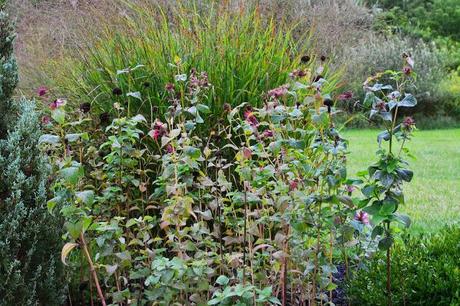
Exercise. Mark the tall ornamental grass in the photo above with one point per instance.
(245, 54)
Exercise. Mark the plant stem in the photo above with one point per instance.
(244, 233)
(92, 269)
(389, 302)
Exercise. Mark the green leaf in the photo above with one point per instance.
(203, 108)
(74, 229)
(58, 115)
(388, 207)
(369, 99)
(193, 152)
(377, 231)
(52, 203)
(405, 174)
(222, 280)
(368, 190)
(72, 174)
(385, 243)
(385, 135)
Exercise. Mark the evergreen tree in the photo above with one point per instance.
(30, 268)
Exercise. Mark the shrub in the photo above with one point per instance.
(424, 272)
(243, 54)
(371, 57)
(29, 237)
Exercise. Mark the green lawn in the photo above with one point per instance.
(433, 197)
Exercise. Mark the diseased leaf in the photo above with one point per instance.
(408, 101)
(66, 249)
(48, 138)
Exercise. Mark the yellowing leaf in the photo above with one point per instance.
(69, 246)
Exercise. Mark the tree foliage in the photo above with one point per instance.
(29, 237)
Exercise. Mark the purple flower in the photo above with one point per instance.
(41, 91)
(297, 73)
(278, 92)
(407, 70)
(169, 148)
(347, 95)
(381, 106)
(169, 87)
(247, 153)
(159, 129)
(267, 134)
(362, 217)
(56, 104)
(45, 120)
(350, 188)
(251, 118)
(293, 184)
(408, 122)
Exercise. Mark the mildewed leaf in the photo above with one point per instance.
(408, 101)
(135, 94)
(48, 138)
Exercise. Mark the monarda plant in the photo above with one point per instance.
(250, 210)
(383, 189)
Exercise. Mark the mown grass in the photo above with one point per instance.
(433, 197)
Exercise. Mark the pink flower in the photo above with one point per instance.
(159, 129)
(381, 106)
(169, 87)
(278, 92)
(297, 73)
(293, 185)
(56, 104)
(169, 148)
(45, 120)
(362, 217)
(251, 118)
(350, 188)
(408, 122)
(41, 91)
(267, 134)
(407, 70)
(347, 95)
(247, 153)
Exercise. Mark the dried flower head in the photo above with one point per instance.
(117, 91)
(85, 107)
(104, 118)
(305, 59)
